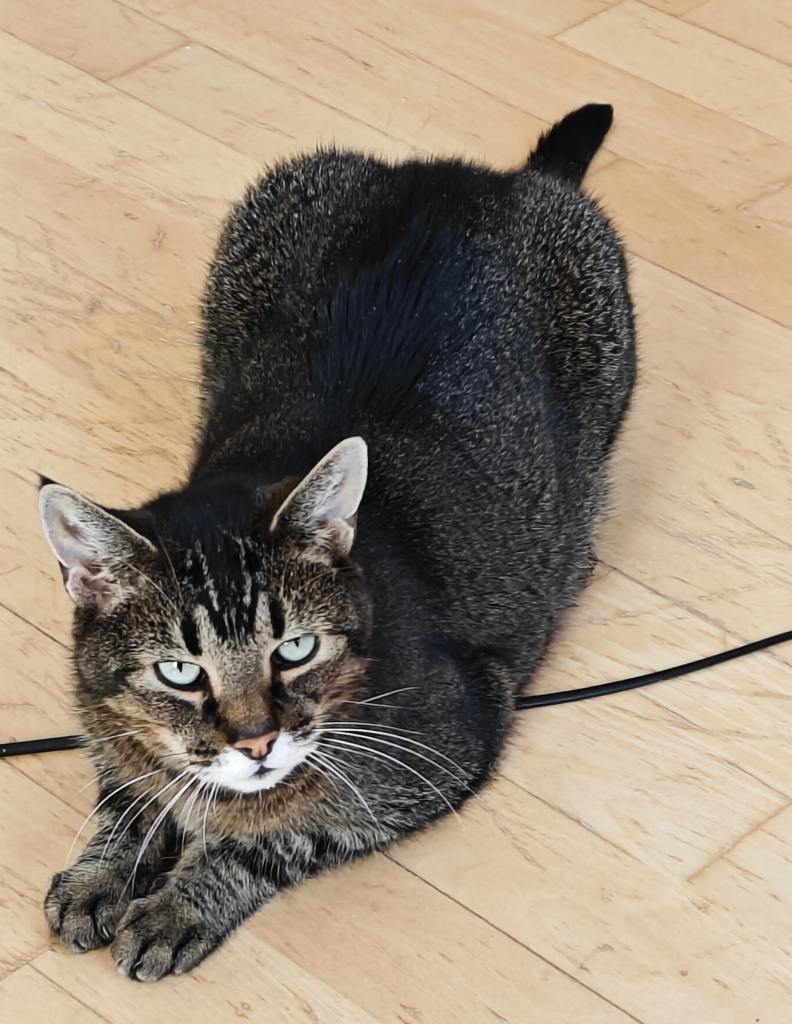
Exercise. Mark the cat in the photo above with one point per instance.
(413, 377)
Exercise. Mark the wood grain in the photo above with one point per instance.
(101, 37)
(762, 25)
(29, 996)
(648, 946)
(631, 859)
(684, 59)
(248, 111)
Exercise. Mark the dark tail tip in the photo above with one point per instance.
(568, 148)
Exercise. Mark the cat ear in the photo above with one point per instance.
(322, 509)
(93, 548)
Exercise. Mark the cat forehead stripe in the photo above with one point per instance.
(224, 584)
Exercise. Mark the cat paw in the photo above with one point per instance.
(162, 934)
(83, 906)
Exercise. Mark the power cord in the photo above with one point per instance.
(541, 700)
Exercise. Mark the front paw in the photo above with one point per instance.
(83, 906)
(162, 934)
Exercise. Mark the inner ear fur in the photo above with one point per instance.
(321, 511)
(95, 550)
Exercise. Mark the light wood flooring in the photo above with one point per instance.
(632, 861)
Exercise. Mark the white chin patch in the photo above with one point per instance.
(234, 770)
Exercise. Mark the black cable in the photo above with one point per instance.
(40, 746)
(541, 700)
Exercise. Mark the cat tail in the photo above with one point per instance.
(568, 148)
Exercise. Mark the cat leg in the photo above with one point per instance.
(87, 900)
(211, 891)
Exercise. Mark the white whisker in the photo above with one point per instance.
(90, 740)
(186, 812)
(395, 760)
(371, 725)
(145, 807)
(155, 825)
(380, 696)
(387, 738)
(117, 825)
(324, 760)
(101, 804)
(97, 777)
(212, 794)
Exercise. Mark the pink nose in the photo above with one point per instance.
(258, 747)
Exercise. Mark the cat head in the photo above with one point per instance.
(219, 626)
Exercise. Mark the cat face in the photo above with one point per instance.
(217, 628)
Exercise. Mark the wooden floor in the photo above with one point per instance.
(633, 859)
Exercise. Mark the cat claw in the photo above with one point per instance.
(160, 935)
(82, 910)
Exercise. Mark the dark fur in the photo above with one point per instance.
(476, 330)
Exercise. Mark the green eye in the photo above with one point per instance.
(296, 652)
(183, 674)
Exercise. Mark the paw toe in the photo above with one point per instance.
(190, 955)
(82, 909)
(154, 963)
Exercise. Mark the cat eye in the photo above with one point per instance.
(297, 651)
(183, 674)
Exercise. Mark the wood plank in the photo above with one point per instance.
(37, 832)
(433, 110)
(774, 206)
(79, 32)
(246, 979)
(37, 701)
(122, 141)
(643, 943)
(367, 916)
(748, 887)
(128, 459)
(692, 62)
(108, 387)
(95, 391)
(424, 938)
(701, 481)
(725, 160)
(762, 25)
(698, 761)
(676, 7)
(706, 150)
(149, 248)
(248, 111)
(153, 8)
(27, 996)
(535, 17)
(727, 251)
(64, 330)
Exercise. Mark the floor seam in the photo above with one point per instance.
(728, 631)
(512, 938)
(92, 1009)
(24, 963)
(746, 835)
(49, 636)
(230, 56)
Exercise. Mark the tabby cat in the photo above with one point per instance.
(413, 376)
